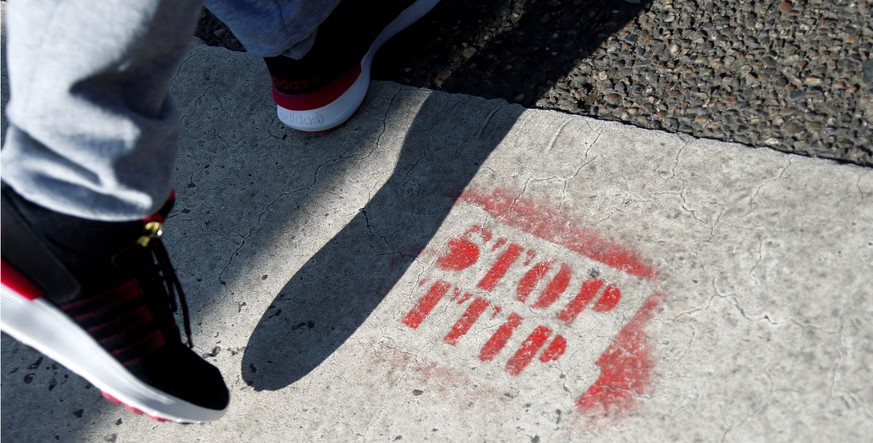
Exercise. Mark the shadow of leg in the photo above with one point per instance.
(338, 288)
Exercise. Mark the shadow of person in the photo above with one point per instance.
(337, 289)
(326, 301)
(329, 298)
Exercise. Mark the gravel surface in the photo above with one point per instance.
(793, 76)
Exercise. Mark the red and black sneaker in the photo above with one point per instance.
(323, 89)
(98, 297)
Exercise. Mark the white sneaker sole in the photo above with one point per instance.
(340, 110)
(38, 324)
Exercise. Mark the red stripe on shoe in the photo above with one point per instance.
(110, 397)
(320, 98)
(149, 344)
(106, 300)
(19, 283)
(131, 408)
(164, 211)
(127, 322)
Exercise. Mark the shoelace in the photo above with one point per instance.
(151, 240)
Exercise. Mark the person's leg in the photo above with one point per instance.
(89, 152)
(318, 52)
(269, 28)
(92, 132)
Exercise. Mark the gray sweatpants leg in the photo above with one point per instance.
(268, 28)
(92, 132)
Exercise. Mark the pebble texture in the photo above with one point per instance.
(793, 76)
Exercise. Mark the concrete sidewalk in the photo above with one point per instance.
(449, 268)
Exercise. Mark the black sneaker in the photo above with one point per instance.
(323, 89)
(98, 298)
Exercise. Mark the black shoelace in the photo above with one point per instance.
(169, 281)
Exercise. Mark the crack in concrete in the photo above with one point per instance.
(377, 235)
(221, 281)
(842, 358)
(274, 123)
(861, 204)
(757, 409)
(717, 220)
(417, 161)
(677, 159)
(584, 162)
(388, 109)
(686, 206)
(688, 345)
(267, 208)
(766, 182)
(194, 51)
(757, 262)
(593, 143)
(690, 312)
(195, 107)
(811, 326)
(736, 304)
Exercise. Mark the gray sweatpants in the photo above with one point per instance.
(92, 132)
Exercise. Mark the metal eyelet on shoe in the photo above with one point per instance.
(153, 230)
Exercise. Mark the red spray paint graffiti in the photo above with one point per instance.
(554, 289)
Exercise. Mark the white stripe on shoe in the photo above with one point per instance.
(39, 324)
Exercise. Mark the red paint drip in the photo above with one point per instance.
(498, 270)
(497, 341)
(530, 280)
(555, 288)
(483, 231)
(426, 304)
(464, 298)
(456, 294)
(555, 225)
(530, 256)
(610, 298)
(528, 350)
(497, 311)
(462, 326)
(625, 367)
(578, 304)
(555, 349)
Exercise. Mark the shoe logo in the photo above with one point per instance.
(299, 85)
(306, 120)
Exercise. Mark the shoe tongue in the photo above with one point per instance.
(86, 247)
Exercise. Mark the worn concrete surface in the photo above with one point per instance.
(448, 268)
